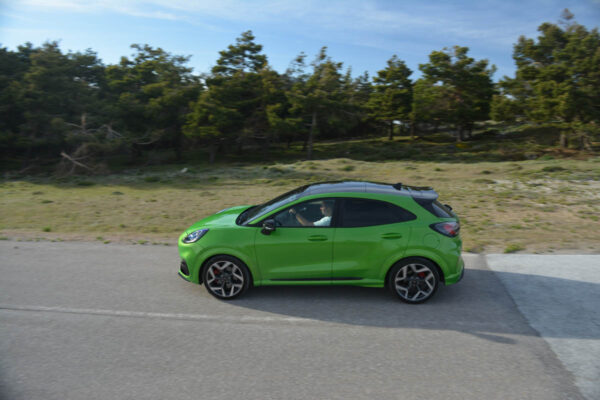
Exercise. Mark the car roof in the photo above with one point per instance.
(397, 189)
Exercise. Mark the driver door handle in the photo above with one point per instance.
(317, 238)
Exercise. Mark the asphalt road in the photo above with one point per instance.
(93, 321)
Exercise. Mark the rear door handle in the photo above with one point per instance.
(392, 235)
(317, 238)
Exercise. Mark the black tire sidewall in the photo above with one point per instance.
(233, 260)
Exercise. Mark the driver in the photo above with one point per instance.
(326, 210)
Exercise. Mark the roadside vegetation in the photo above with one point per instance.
(139, 150)
(541, 205)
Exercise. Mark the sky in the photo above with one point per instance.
(361, 34)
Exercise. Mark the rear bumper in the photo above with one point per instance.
(455, 278)
(462, 273)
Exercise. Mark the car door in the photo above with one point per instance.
(369, 233)
(296, 250)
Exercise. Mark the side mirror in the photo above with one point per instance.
(268, 227)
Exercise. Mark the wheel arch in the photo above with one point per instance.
(416, 258)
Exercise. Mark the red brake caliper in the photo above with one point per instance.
(421, 274)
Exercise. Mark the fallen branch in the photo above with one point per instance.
(65, 155)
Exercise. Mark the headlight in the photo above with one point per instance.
(195, 236)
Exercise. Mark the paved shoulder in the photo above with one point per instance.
(559, 295)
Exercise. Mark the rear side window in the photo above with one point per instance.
(436, 208)
(365, 212)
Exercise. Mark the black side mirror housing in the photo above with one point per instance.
(268, 227)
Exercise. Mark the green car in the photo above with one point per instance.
(330, 233)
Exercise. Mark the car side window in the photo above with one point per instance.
(315, 213)
(364, 212)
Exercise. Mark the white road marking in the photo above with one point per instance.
(141, 314)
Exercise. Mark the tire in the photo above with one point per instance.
(414, 280)
(225, 277)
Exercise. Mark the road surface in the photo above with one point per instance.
(94, 321)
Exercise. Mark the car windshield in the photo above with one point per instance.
(271, 205)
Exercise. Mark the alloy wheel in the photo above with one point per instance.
(224, 279)
(415, 282)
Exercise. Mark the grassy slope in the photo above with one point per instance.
(538, 205)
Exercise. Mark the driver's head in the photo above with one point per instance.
(326, 208)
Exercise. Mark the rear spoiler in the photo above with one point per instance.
(417, 192)
(427, 204)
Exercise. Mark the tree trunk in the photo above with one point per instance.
(564, 143)
(310, 136)
(584, 142)
(469, 133)
(459, 133)
(391, 130)
(266, 146)
(412, 129)
(177, 139)
(212, 153)
(136, 152)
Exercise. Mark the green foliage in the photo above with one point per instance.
(152, 92)
(240, 101)
(431, 103)
(318, 97)
(458, 87)
(513, 248)
(504, 108)
(243, 57)
(392, 94)
(557, 78)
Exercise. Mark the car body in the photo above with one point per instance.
(370, 234)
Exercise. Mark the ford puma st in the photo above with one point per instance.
(330, 233)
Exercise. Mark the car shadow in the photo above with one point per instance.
(479, 305)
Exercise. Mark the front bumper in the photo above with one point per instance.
(184, 271)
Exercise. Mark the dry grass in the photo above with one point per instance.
(539, 206)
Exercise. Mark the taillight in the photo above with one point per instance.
(449, 229)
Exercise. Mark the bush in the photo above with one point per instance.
(513, 248)
(553, 168)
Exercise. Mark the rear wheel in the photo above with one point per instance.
(225, 277)
(414, 280)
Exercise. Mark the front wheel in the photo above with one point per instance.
(225, 277)
(414, 280)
